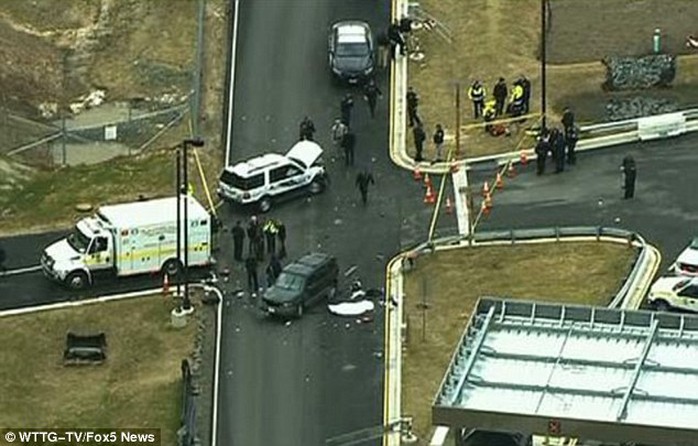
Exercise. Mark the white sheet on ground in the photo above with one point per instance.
(351, 308)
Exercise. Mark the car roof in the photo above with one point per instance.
(353, 31)
(307, 264)
(299, 269)
(258, 164)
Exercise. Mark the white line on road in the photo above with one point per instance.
(14, 272)
(233, 51)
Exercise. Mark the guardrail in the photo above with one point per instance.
(629, 294)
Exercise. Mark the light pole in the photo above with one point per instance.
(178, 190)
(543, 55)
(194, 142)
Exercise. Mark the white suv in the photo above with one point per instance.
(271, 177)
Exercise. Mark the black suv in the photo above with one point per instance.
(302, 283)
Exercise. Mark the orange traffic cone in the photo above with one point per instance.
(488, 201)
(499, 183)
(417, 173)
(449, 206)
(485, 189)
(511, 170)
(454, 167)
(429, 197)
(523, 158)
(165, 284)
(484, 210)
(427, 180)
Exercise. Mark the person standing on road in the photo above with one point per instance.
(252, 278)
(252, 230)
(629, 175)
(558, 147)
(419, 137)
(238, 241)
(363, 179)
(477, 94)
(372, 93)
(396, 39)
(281, 232)
(348, 143)
(273, 270)
(412, 103)
(383, 50)
(567, 120)
(270, 231)
(339, 129)
(500, 93)
(438, 143)
(571, 139)
(307, 129)
(345, 107)
(542, 148)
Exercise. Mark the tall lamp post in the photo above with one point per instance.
(543, 56)
(183, 188)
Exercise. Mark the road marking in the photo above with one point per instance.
(231, 89)
(14, 272)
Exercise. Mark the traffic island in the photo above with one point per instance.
(442, 288)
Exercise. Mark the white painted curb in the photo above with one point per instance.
(231, 90)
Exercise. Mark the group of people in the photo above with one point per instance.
(559, 144)
(260, 235)
(515, 103)
(418, 132)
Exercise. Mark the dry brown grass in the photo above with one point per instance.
(493, 38)
(580, 273)
(138, 386)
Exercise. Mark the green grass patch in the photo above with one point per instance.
(588, 273)
(138, 386)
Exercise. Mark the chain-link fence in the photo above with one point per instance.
(93, 128)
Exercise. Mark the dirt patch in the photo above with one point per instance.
(589, 30)
(452, 281)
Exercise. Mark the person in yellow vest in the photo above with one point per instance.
(489, 113)
(477, 94)
(517, 100)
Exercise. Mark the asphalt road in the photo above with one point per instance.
(321, 376)
(664, 209)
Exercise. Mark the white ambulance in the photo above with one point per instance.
(127, 239)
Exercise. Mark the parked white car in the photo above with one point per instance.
(686, 263)
(674, 292)
(268, 178)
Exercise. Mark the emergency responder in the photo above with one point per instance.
(629, 174)
(345, 107)
(500, 93)
(307, 129)
(348, 143)
(477, 94)
(253, 232)
(419, 137)
(567, 120)
(542, 148)
(339, 129)
(238, 240)
(270, 231)
(412, 103)
(252, 278)
(489, 113)
(396, 39)
(438, 139)
(516, 105)
(372, 93)
(363, 179)
(571, 138)
(557, 143)
(273, 270)
(526, 87)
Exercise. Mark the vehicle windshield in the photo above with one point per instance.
(289, 282)
(355, 49)
(78, 241)
(241, 183)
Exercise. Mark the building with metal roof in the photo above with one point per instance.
(576, 371)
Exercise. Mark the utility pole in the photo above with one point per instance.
(543, 56)
(194, 142)
(457, 119)
(178, 188)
